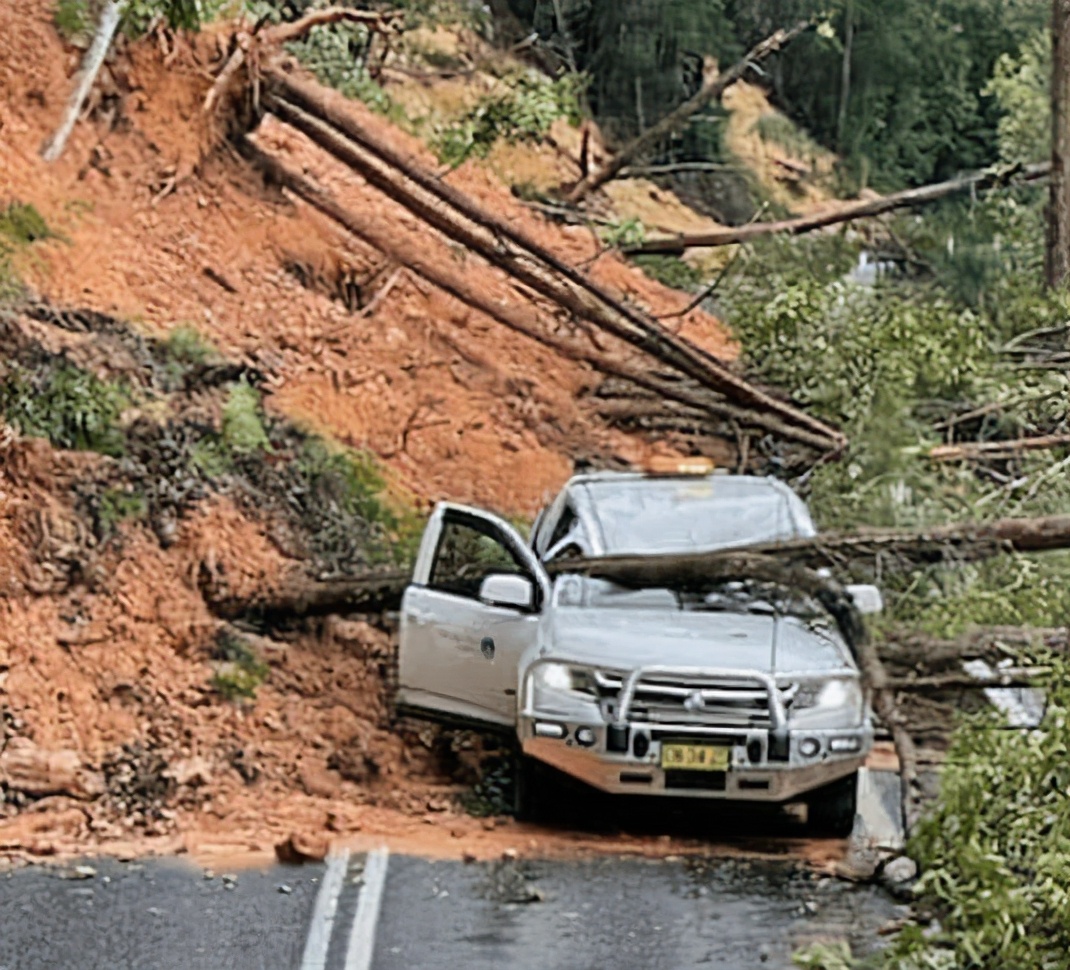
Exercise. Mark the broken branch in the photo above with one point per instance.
(989, 449)
(979, 181)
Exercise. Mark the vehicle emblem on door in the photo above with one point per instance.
(695, 702)
(486, 647)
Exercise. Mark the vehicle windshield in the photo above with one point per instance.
(690, 515)
(736, 596)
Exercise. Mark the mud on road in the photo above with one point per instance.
(627, 913)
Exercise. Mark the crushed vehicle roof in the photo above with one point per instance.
(635, 513)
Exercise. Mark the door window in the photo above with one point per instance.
(469, 552)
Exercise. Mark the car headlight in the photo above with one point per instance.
(828, 705)
(562, 689)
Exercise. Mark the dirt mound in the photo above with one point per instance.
(161, 228)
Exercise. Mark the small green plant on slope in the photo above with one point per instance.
(68, 406)
(243, 426)
(20, 226)
(119, 505)
(239, 671)
(522, 109)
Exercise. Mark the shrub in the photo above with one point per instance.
(243, 429)
(523, 109)
(118, 505)
(66, 405)
(239, 670)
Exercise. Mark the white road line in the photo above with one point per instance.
(362, 934)
(319, 930)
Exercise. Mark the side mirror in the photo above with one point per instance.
(867, 599)
(510, 590)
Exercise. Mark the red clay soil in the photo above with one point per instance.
(112, 737)
(164, 225)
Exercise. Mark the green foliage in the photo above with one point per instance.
(66, 405)
(239, 671)
(630, 232)
(336, 54)
(186, 346)
(824, 956)
(347, 487)
(243, 427)
(72, 18)
(22, 224)
(78, 18)
(669, 270)
(119, 505)
(1021, 86)
(995, 866)
(852, 354)
(523, 108)
(781, 130)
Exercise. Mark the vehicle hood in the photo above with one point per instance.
(621, 639)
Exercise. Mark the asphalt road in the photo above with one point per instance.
(386, 913)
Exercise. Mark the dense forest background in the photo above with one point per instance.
(906, 92)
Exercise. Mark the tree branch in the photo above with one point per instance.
(979, 181)
(676, 120)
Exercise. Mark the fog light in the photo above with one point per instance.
(546, 730)
(845, 744)
(585, 736)
(808, 747)
(641, 745)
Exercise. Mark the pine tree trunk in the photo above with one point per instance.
(1057, 261)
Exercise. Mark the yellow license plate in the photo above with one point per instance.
(695, 757)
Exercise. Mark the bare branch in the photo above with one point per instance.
(979, 181)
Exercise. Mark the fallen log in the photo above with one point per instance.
(971, 450)
(91, 65)
(371, 593)
(524, 320)
(979, 181)
(958, 542)
(676, 120)
(332, 129)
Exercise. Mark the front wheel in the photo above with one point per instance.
(529, 789)
(831, 810)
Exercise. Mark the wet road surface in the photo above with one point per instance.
(384, 912)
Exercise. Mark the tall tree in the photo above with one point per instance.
(1057, 257)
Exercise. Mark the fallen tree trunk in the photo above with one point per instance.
(965, 541)
(523, 320)
(676, 120)
(372, 593)
(860, 210)
(94, 60)
(988, 449)
(486, 236)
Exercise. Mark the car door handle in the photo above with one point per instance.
(419, 616)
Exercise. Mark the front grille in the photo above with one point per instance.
(696, 780)
(738, 704)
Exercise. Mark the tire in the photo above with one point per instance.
(831, 810)
(529, 789)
